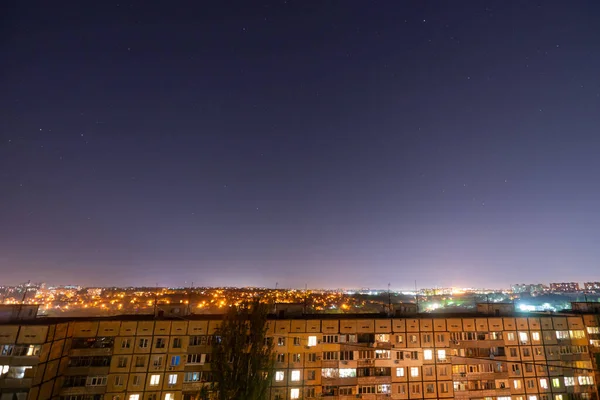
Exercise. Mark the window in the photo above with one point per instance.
(280, 357)
(296, 341)
(382, 338)
(176, 343)
(136, 380)
(577, 334)
(414, 372)
(544, 383)
(530, 384)
(347, 373)
(346, 355)
(535, 336)
(330, 338)
(427, 354)
(382, 354)
(125, 343)
(312, 357)
(154, 380)
(172, 379)
(134, 397)
(157, 361)
(366, 389)
(279, 376)
(510, 336)
(513, 352)
(294, 393)
(96, 381)
(413, 339)
(400, 371)
(443, 371)
(430, 388)
(399, 338)
(558, 397)
(415, 388)
(444, 387)
(143, 343)
(296, 357)
(440, 337)
(517, 384)
(426, 338)
(198, 358)
(585, 380)
(330, 355)
(441, 354)
(295, 376)
(175, 361)
(329, 372)
(383, 389)
(593, 329)
(312, 341)
(532, 397)
(119, 380)
(562, 335)
(311, 375)
(122, 362)
(169, 396)
(346, 391)
(160, 343)
(191, 377)
(523, 337)
(280, 341)
(526, 352)
(556, 382)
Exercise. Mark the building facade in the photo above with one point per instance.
(478, 356)
(564, 287)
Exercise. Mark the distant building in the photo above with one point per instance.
(564, 287)
(592, 286)
(528, 288)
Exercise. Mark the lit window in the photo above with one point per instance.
(523, 338)
(279, 375)
(414, 372)
(154, 380)
(134, 397)
(517, 384)
(562, 334)
(544, 383)
(347, 373)
(593, 329)
(569, 381)
(400, 371)
(535, 336)
(532, 397)
(427, 354)
(295, 375)
(558, 397)
(312, 340)
(577, 334)
(585, 380)
(169, 396)
(510, 336)
(441, 355)
(172, 379)
(555, 382)
(294, 393)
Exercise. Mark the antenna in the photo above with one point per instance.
(417, 296)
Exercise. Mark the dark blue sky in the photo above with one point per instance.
(334, 143)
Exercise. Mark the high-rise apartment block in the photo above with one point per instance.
(592, 286)
(564, 287)
(487, 355)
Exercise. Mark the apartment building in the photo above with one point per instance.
(564, 287)
(488, 355)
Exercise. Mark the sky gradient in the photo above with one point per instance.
(328, 143)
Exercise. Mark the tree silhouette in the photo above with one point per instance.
(242, 358)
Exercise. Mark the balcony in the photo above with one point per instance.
(374, 380)
(15, 383)
(89, 352)
(87, 371)
(79, 390)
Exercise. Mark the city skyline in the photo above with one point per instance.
(325, 144)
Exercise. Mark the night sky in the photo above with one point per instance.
(328, 143)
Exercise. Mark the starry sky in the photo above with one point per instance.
(327, 143)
